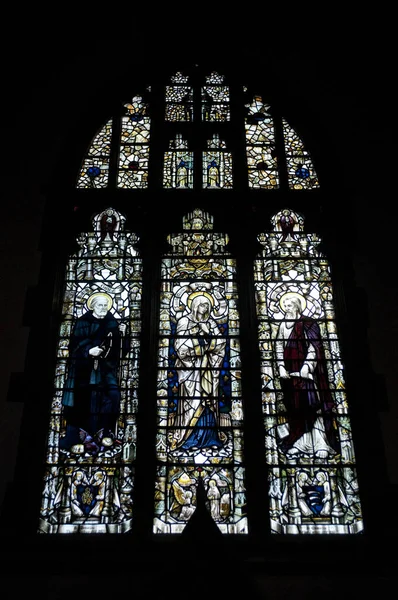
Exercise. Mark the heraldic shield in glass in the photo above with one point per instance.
(89, 477)
(313, 485)
(200, 416)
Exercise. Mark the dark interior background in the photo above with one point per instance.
(336, 81)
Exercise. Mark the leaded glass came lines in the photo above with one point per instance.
(95, 167)
(313, 485)
(217, 165)
(200, 413)
(134, 145)
(89, 478)
(301, 172)
(260, 146)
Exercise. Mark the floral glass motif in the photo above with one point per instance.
(217, 165)
(179, 99)
(178, 165)
(301, 172)
(200, 416)
(89, 478)
(260, 146)
(313, 485)
(95, 167)
(215, 99)
(134, 145)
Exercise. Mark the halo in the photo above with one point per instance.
(93, 296)
(303, 301)
(201, 293)
(184, 479)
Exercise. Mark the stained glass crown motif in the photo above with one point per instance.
(108, 235)
(198, 219)
(287, 220)
(214, 78)
(179, 78)
(288, 236)
(195, 240)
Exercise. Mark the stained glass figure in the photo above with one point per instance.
(89, 478)
(95, 166)
(217, 165)
(215, 99)
(178, 165)
(134, 145)
(313, 485)
(200, 413)
(260, 146)
(179, 99)
(301, 172)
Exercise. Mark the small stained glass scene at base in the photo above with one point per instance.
(200, 414)
(313, 485)
(176, 492)
(89, 477)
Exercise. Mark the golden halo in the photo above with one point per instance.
(186, 480)
(303, 301)
(93, 296)
(196, 294)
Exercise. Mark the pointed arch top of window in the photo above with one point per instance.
(276, 156)
(130, 140)
(94, 170)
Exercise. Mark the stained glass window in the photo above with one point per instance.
(178, 165)
(260, 146)
(134, 145)
(217, 165)
(215, 99)
(200, 415)
(95, 167)
(313, 486)
(89, 477)
(207, 135)
(301, 172)
(266, 167)
(179, 99)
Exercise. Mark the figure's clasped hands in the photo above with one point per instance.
(96, 351)
(204, 328)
